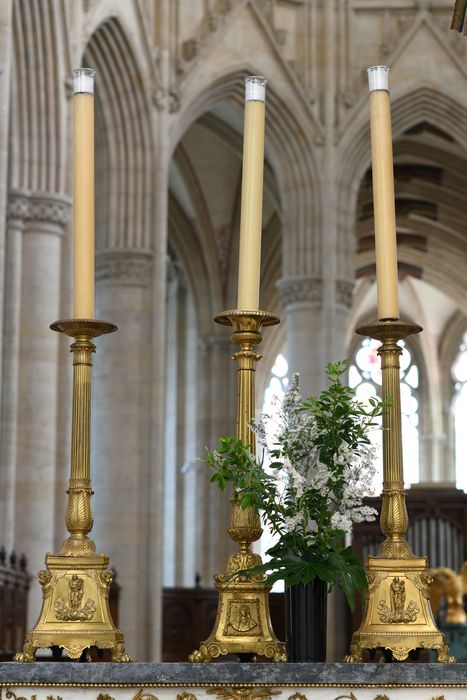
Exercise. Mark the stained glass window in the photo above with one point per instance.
(459, 376)
(365, 378)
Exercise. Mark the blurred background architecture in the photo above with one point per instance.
(169, 119)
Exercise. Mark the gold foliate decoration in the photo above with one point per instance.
(9, 694)
(104, 696)
(397, 614)
(297, 696)
(75, 613)
(243, 693)
(141, 695)
(186, 696)
(243, 624)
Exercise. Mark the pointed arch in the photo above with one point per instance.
(124, 144)
(427, 103)
(290, 150)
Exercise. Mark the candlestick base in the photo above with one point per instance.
(398, 615)
(75, 613)
(243, 624)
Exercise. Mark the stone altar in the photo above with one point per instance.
(232, 681)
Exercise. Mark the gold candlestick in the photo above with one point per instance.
(75, 611)
(397, 614)
(243, 624)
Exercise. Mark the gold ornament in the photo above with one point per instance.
(397, 613)
(140, 695)
(243, 624)
(75, 613)
(243, 693)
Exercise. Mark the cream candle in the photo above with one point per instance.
(83, 193)
(383, 193)
(252, 194)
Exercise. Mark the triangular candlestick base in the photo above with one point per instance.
(242, 625)
(75, 614)
(398, 615)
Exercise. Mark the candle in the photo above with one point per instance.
(383, 194)
(83, 193)
(252, 194)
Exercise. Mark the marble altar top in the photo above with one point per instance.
(203, 675)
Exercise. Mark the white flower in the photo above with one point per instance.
(292, 522)
(298, 481)
(341, 521)
(308, 493)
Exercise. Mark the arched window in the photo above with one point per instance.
(365, 378)
(276, 388)
(273, 396)
(459, 406)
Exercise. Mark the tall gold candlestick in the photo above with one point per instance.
(75, 614)
(252, 194)
(242, 598)
(383, 194)
(83, 193)
(397, 614)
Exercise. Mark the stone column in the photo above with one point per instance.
(5, 83)
(302, 298)
(17, 211)
(38, 222)
(188, 468)
(217, 406)
(172, 508)
(342, 304)
(120, 434)
(316, 331)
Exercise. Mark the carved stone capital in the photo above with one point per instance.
(18, 205)
(344, 292)
(132, 268)
(40, 207)
(301, 290)
(53, 209)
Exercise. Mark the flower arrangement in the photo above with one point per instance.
(308, 483)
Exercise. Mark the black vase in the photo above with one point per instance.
(305, 621)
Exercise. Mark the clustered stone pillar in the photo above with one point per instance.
(120, 443)
(316, 335)
(36, 224)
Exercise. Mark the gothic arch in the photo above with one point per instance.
(426, 103)
(124, 144)
(290, 150)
